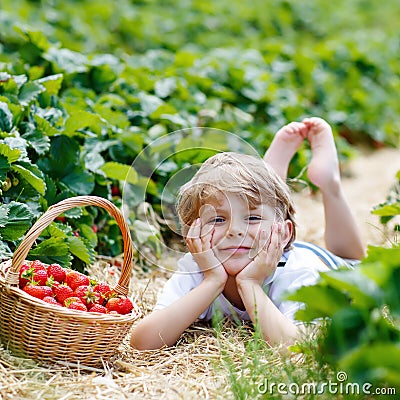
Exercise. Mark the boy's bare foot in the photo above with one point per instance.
(284, 145)
(323, 170)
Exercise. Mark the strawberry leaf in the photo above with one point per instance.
(53, 250)
(114, 170)
(6, 117)
(80, 248)
(4, 166)
(29, 92)
(52, 83)
(32, 175)
(11, 154)
(18, 222)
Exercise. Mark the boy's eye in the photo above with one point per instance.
(254, 218)
(216, 220)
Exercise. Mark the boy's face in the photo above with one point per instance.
(236, 227)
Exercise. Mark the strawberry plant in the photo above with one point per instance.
(389, 210)
(362, 312)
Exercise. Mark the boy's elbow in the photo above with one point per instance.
(146, 337)
(143, 341)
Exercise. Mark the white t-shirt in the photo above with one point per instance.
(302, 268)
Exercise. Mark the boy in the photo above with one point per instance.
(237, 218)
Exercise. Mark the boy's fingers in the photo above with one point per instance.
(263, 240)
(275, 243)
(193, 237)
(206, 237)
(194, 230)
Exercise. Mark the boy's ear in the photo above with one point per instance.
(287, 231)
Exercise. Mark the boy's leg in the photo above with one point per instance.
(342, 236)
(284, 145)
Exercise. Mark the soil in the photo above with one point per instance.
(366, 182)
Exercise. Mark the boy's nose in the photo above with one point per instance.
(234, 231)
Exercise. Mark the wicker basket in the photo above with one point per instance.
(47, 333)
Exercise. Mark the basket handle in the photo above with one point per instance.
(54, 211)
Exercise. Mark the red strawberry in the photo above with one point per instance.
(22, 280)
(28, 271)
(75, 279)
(122, 305)
(71, 299)
(77, 306)
(88, 295)
(37, 291)
(37, 265)
(57, 272)
(98, 308)
(40, 276)
(62, 292)
(51, 300)
(104, 290)
(75, 303)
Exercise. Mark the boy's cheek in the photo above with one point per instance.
(217, 237)
(261, 227)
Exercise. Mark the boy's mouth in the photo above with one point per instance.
(236, 249)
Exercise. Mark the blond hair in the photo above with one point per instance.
(244, 175)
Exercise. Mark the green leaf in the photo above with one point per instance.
(67, 60)
(376, 363)
(4, 210)
(32, 175)
(38, 38)
(115, 118)
(143, 231)
(387, 256)
(4, 166)
(11, 154)
(16, 144)
(79, 249)
(80, 120)
(329, 301)
(55, 230)
(30, 92)
(87, 232)
(79, 181)
(5, 251)
(53, 250)
(6, 117)
(149, 103)
(121, 172)
(44, 126)
(165, 87)
(363, 291)
(74, 213)
(39, 142)
(64, 155)
(387, 210)
(52, 83)
(18, 222)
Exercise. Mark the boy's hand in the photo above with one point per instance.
(199, 244)
(266, 260)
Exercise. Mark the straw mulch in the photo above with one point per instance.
(190, 370)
